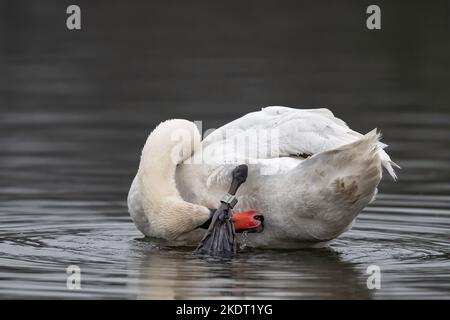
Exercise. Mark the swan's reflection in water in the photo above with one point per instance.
(300, 274)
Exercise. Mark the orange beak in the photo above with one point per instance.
(250, 221)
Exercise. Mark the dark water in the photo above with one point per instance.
(75, 109)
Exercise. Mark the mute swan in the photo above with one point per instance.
(309, 189)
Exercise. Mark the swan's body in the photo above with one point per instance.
(321, 175)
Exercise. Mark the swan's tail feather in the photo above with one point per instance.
(375, 137)
(346, 177)
(386, 161)
(388, 165)
(361, 163)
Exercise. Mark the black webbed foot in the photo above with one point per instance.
(219, 239)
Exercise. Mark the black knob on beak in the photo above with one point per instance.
(259, 217)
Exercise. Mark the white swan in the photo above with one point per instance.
(309, 189)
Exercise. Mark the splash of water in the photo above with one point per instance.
(243, 241)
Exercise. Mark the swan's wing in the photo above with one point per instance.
(283, 132)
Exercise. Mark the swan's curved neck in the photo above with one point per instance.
(172, 142)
